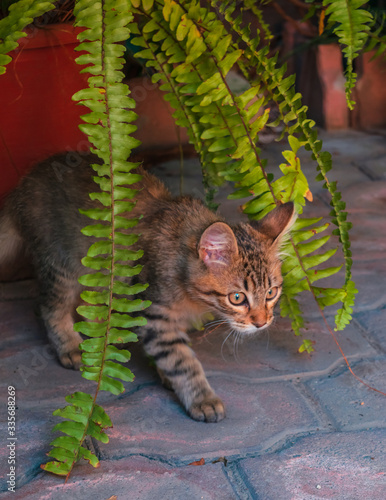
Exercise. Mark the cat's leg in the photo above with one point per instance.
(178, 364)
(59, 298)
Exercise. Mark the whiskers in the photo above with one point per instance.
(237, 335)
(212, 326)
(236, 344)
(268, 331)
(215, 322)
(224, 342)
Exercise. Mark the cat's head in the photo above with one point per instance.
(241, 279)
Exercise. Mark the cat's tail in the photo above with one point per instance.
(11, 241)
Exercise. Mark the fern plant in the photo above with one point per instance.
(108, 126)
(190, 49)
(192, 52)
(20, 15)
(351, 25)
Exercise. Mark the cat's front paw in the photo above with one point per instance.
(71, 360)
(210, 409)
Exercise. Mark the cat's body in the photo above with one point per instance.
(194, 263)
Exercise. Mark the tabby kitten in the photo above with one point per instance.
(194, 262)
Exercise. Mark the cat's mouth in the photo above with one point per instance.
(249, 329)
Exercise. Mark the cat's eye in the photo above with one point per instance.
(272, 292)
(237, 298)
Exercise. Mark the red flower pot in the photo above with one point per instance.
(370, 93)
(38, 117)
(157, 130)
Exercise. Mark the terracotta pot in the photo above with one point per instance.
(319, 78)
(38, 117)
(156, 126)
(370, 94)
(330, 70)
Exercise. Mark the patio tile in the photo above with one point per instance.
(273, 354)
(352, 405)
(374, 324)
(134, 478)
(325, 466)
(151, 421)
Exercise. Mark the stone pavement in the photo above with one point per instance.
(298, 426)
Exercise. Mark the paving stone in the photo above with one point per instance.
(353, 144)
(365, 204)
(374, 324)
(342, 466)
(192, 184)
(370, 279)
(375, 168)
(344, 170)
(147, 417)
(345, 174)
(151, 421)
(274, 352)
(27, 360)
(366, 236)
(347, 149)
(38, 376)
(18, 290)
(231, 209)
(35, 403)
(344, 146)
(265, 410)
(352, 405)
(366, 198)
(30, 364)
(366, 212)
(170, 174)
(33, 435)
(19, 327)
(273, 153)
(134, 478)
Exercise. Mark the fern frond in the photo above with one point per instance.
(157, 29)
(11, 26)
(376, 40)
(258, 13)
(83, 417)
(193, 60)
(110, 317)
(181, 81)
(351, 25)
(281, 90)
(289, 307)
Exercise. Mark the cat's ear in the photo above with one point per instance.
(277, 223)
(218, 245)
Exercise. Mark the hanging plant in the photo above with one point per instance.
(191, 49)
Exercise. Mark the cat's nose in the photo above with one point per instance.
(259, 325)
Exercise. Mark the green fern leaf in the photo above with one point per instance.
(351, 25)
(108, 126)
(21, 14)
(223, 127)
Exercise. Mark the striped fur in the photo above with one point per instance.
(194, 263)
